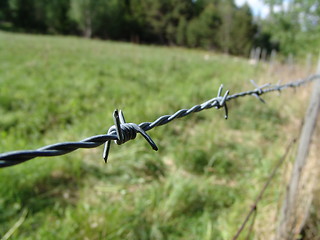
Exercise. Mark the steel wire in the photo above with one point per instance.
(253, 209)
(122, 132)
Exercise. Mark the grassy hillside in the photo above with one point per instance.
(199, 185)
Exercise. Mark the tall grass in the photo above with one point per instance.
(198, 186)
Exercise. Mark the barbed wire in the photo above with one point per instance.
(122, 131)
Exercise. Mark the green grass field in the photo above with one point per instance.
(200, 183)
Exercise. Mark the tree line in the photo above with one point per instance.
(219, 25)
(209, 24)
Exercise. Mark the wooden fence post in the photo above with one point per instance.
(296, 205)
(258, 54)
(309, 63)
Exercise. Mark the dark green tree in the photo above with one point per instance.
(226, 11)
(203, 30)
(242, 32)
(87, 14)
(181, 36)
(4, 11)
(209, 24)
(28, 15)
(57, 17)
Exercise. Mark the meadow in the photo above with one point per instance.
(200, 183)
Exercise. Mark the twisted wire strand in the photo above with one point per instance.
(16, 157)
(214, 102)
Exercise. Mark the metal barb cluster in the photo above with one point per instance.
(259, 90)
(125, 132)
(122, 132)
(221, 101)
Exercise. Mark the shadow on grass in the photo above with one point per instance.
(147, 166)
(44, 193)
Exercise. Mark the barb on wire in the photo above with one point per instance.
(253, 209)
(125, 132)
(221, 101)
(259, 90)
(122, 132)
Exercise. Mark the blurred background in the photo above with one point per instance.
(228, 26)
(65, 65)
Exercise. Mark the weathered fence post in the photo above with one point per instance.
(272, 61)
(264, 55)
(252, 54)
(296, 204)
(290, 62)
(258, 54)
(308, 63)
(273, 56)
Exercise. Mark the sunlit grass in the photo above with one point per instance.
(197, 186)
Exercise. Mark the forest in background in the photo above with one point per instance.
(220, 25)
